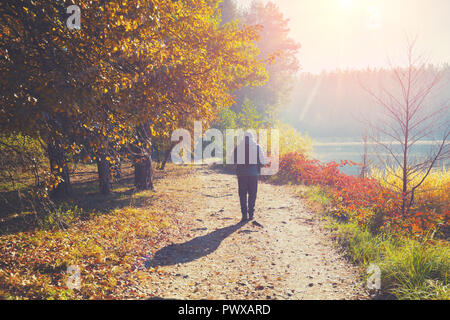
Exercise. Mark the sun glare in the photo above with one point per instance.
(373, 18)
(346, 4)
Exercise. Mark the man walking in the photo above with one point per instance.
(249, 157)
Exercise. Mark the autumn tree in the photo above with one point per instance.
(279, 51)
(204, 63)
(54, 78)
(130, 66)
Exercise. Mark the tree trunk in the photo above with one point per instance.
(166, 156)
(117, 169)
(104, 175)
(143, 173)
(405, 173)
(58, 166)
(364, 169)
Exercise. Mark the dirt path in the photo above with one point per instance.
(288, 257)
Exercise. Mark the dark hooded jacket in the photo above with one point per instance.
(248, 157)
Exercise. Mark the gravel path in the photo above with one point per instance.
(286, 254)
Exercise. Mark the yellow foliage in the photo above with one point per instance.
(292, 141)
(434, 189)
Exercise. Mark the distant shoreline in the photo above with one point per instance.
(354, 143)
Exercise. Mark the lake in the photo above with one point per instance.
(337, 151)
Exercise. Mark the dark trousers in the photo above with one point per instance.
(247, 185)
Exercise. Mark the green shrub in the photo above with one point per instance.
(60, 217)
(21, 159)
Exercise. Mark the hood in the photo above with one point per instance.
(250, 136)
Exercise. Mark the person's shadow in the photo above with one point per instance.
(192, 249)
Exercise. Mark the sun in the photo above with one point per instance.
(346, 4)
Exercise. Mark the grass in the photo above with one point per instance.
(318, 195)
(410, 269)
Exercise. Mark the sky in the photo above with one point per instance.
(356, 34)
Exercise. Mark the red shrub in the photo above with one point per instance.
(355, 198)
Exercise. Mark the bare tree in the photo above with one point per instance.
(365, 164)
(409, 115)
